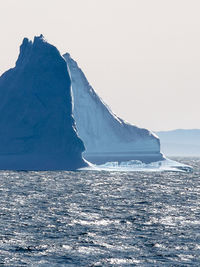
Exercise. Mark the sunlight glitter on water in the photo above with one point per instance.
(100, 218)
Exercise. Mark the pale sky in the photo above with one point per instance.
(141, 56)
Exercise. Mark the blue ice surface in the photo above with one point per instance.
(106, 136)
(37, 129)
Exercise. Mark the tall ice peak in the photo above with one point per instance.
(31, 49)
(37, 128)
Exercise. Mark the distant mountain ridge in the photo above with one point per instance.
(180, 142)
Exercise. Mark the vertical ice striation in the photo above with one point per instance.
(37, 129)
(106, 136)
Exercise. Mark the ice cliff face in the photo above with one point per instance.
(106, 136)
(37, 129)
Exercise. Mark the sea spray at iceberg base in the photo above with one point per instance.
(139, 166)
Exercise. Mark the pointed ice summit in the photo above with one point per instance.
(106, 136)
(37, 129)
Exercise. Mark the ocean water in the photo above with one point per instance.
(91, 218)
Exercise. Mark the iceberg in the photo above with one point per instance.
(37, 128)
(107, 138)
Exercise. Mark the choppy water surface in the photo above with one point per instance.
(100, 218)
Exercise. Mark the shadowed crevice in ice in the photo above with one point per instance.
(37, 129)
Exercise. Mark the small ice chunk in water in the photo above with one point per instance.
(111, 164)
(131, 163)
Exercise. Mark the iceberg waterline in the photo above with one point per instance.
(37, 129)
(139, 166)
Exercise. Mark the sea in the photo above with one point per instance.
(100, 218)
